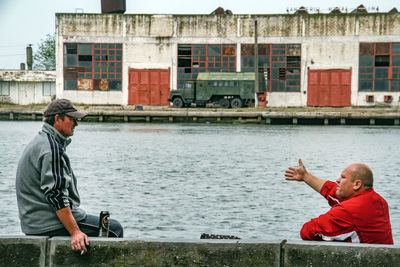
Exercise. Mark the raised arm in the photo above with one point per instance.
(301, 174)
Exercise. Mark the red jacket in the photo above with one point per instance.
(361, 218)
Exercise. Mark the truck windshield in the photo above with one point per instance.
(188, 85)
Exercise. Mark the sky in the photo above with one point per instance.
(24, 22)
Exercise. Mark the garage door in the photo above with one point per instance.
(148, 87)
(329, 88)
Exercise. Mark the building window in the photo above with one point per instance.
(4, 88)
(49, 88)
(279, 63)
(92, 66)
(379, 67)
(196, 58)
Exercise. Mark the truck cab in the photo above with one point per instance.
(184, 96)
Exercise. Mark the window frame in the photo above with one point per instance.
(276, 57)
(4, 84)
(51, 89)
(105, 69)
(201, 60)
(373, 74)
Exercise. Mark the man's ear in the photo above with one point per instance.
(57, 118)
(357, 184)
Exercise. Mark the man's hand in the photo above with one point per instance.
(79, 241)
(301, 174)
(296, 174)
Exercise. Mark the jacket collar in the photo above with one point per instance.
(47, 128)
(360, 193)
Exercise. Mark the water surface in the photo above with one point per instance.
(176, 181)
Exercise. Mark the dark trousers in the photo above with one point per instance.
(89, 226)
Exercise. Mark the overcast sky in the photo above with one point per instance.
(24, 22)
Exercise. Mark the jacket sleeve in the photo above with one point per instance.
(53, 182)
(328, 191)
(335, 225)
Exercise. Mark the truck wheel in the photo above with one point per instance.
(236, 103)
(178, 103)
(224, 103)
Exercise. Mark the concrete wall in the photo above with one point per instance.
(311, 253)
(22, 251)
(329, 41)
(41, 251)
(26, 87)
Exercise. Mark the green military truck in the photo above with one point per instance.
(228, 89)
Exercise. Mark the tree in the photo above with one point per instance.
(45, 56)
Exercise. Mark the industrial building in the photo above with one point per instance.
(24, 87)
(335, 59)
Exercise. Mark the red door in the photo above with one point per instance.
(329, 88)
(148, 87)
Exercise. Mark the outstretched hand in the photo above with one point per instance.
(296, 174)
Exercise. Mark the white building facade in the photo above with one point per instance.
(24, 87)
(307, 59)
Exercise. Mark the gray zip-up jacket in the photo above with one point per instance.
(46, 183)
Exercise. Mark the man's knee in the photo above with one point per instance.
(116, 229)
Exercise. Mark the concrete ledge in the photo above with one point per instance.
(128, 252)
(22, 251)
(287, 116)
(313, 253)
(43, 251)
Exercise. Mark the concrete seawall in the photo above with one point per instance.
(260, 116)
(43, 251)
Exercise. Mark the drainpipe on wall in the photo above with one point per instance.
(256, 56)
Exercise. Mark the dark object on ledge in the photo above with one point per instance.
(212, 236)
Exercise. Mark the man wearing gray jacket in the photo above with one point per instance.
(46, 187)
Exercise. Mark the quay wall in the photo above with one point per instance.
(44, 251)
(361, 117)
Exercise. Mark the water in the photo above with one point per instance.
(176, 181)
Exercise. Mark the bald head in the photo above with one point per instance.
(363, 173)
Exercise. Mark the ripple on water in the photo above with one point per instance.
(177, 181)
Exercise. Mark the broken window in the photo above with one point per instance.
(184, 50)
(95, 61)
(366, 49)
(115, 84)
(70, 49)
(229, 50)
(294, 49)
(379, 67)
(85, 60)
(382, 61)
(279, 63)
(184, 61)
(293, 62)
(282, 74)
(196, 58)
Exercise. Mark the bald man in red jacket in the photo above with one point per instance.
(358, 214)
